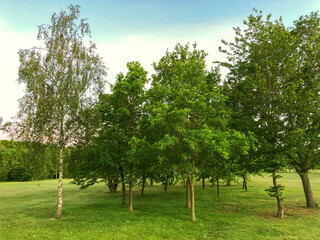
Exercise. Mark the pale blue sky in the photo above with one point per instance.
(131, 30)
(112, 19)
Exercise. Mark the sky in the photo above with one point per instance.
(135, 30)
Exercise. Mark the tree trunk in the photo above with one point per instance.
(193, 216)
(124, 194)
(244, 185)
(143, 185)
(151, 182)
(279, 200)
(130, 195)
(229, 183)
(115, 186)
(188, 194)
(59, 204)
(203, 183)
(311, 203)
(165, 187)
(109, 184)
(218, 188)
(112, 185)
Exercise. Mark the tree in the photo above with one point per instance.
(187, 108)
(274, 83)
(261, 60)
(61, 79)
(122, 112)
(302, 102)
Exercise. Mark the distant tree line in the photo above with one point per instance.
(27, 161)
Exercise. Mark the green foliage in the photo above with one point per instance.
(24, 161)
(260, 61)
(61, 79)
(186, 110)
(119, 144)
(276, 191)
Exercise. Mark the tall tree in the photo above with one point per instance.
(188, 108)
(122, 113)
(302, 102)
(61, 79)
(261, 59)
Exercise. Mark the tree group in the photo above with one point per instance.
(186, 122)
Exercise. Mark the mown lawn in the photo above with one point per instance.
(27, 210)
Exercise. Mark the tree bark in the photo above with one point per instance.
(188, 194)
(112, 185)
(311, 203)
(280, 212)
(193, 216)
(203, 183)
(244, 185)
(165, 187)
(228, 183)
(59, 203)
(115, 186)
(151, 182)
(130, 195)
(124, 193)
(218, 187)
(143, 185)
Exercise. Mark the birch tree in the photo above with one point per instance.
(61, 78)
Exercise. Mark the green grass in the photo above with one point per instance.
(27, 210)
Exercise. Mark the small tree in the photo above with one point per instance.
(61, 79)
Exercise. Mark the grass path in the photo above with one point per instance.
(27, 210)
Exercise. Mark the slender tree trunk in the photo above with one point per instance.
(203, 183)
(59, 204)
(61, 146)
(279, 200)
(130, 195)
(244, 185)
(229, 183)
(188, 194)
(115, 185)
(165, 187)
(124, 194)
(218, 187)
(311, 203)
(193, 216)
(143, 185)
(151, 182)
(57, 174)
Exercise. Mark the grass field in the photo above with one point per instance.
(27, 210)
